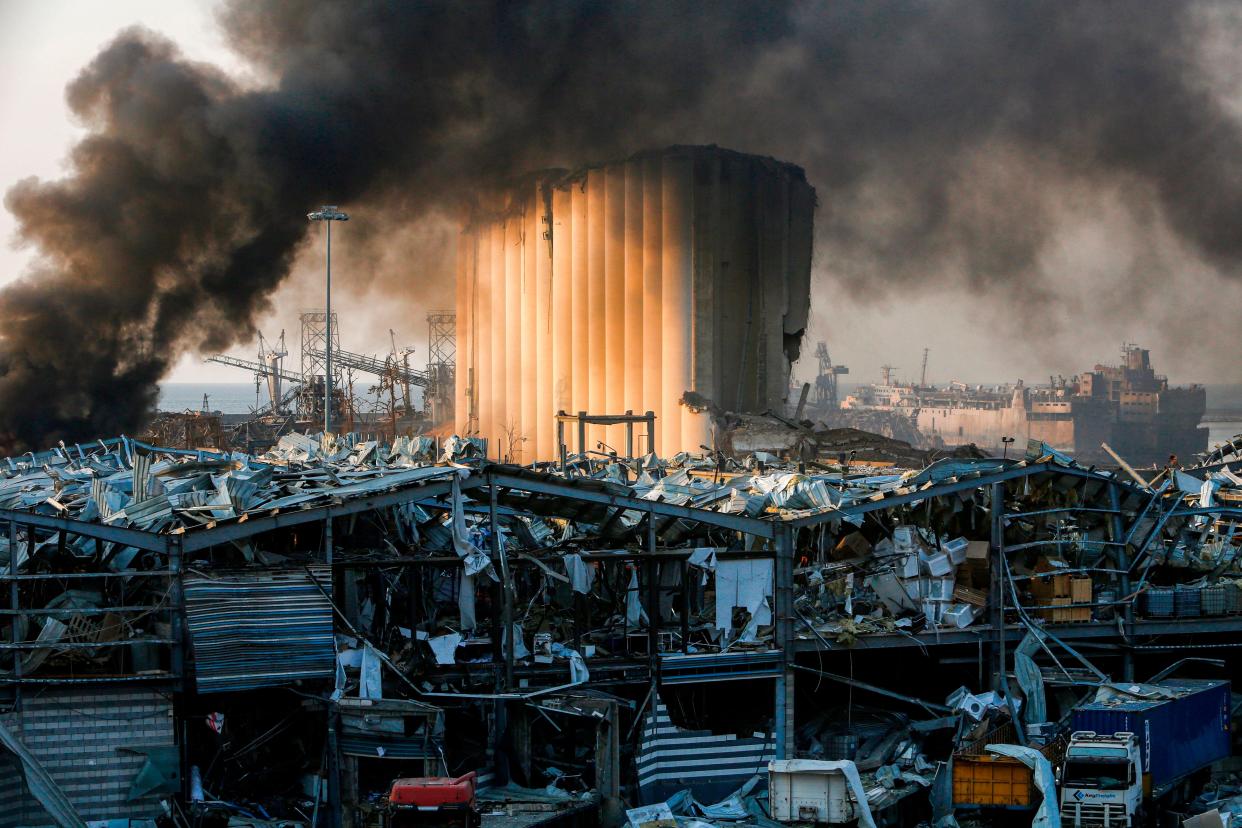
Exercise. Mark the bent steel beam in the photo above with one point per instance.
(739, 523)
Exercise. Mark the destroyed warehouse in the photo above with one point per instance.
(631, 589)
(279, 637)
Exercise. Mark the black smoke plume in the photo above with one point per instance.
(945, 140)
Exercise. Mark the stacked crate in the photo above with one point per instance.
(1069, 590)
(1058, 594)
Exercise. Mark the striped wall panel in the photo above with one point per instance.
(12, 790)
(78, 735)
(263, 629)
(671, 759)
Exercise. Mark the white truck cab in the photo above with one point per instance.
(1101, 780)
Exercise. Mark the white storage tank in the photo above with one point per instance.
(621, 287)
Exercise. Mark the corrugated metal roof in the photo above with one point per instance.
(260, 629)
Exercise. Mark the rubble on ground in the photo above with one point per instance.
(448, 614)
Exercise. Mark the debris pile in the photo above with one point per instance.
(337, 614)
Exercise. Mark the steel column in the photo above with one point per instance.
(16, 625)
(560, 440)
(176, 608)
(629, 435)
(996, 596)
(327, 540)
(1123, 580)
(782, 582)
(685, 605)
(335, 809)
(653, 597)
(506, 583)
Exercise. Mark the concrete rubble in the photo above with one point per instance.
(600, 640)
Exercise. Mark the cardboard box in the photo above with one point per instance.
(966, 595)
(1060, 590)
(1071, 590)
(853, 545)
(980, 563)
(977, 551)
(980, 578)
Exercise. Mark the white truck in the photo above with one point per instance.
(1138, 749)
(1101, 780)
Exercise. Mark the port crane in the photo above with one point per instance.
(393, 370)
(826, 381)
(269, 368)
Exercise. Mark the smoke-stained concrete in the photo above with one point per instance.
(953, 144)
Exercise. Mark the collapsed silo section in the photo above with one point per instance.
(623, 286)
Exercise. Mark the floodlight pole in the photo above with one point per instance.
(328, 214)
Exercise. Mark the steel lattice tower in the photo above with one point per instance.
(314, 338)
(441, 364)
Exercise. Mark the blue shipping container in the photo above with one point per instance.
(1177, 736)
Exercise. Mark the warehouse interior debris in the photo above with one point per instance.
(273, 639)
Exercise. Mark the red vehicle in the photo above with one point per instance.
(433, 801)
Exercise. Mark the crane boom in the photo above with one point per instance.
(256, 367)
(378, 367)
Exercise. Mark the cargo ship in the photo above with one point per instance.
(1128, 406)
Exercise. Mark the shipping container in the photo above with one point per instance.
(1182, 726)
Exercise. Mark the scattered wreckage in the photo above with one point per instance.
(276, 639)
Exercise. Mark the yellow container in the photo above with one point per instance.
(992, 782)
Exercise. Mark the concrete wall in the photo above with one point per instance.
(76, 733)
(623, 286)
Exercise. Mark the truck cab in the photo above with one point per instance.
(1101, 780)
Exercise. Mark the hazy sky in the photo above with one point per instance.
(44, 43)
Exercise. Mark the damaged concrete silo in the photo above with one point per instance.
(625, 285)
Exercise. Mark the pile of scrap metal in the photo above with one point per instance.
(433, 613)
(188, 429)
(1071, 555)
(892, 424)
(740, 435)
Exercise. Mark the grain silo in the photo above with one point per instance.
(623, 286)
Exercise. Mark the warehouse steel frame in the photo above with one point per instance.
(781, 533)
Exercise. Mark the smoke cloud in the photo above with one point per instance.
(952, 143)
